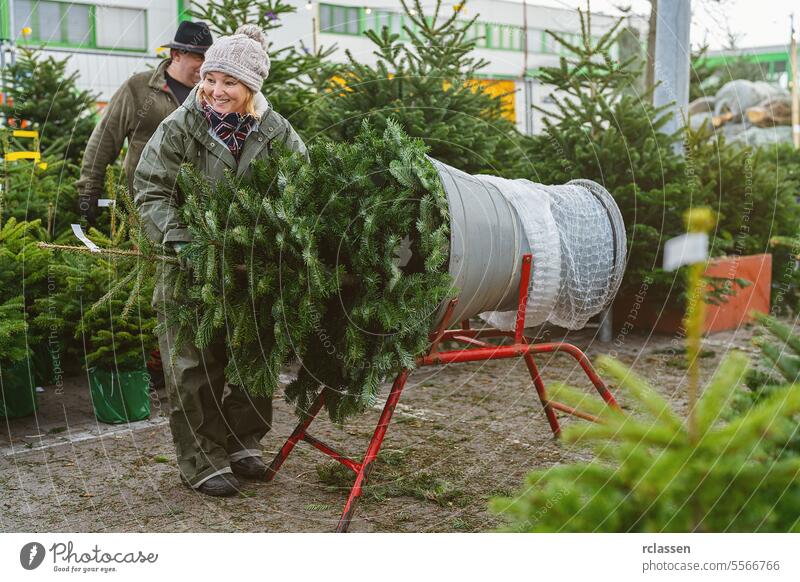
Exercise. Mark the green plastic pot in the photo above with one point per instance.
(42, 362)
(120, 396)
(17, 390)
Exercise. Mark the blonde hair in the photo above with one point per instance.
(249, 100)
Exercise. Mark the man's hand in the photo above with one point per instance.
(87, 207)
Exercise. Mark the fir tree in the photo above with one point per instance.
(651, 476)
(14, 345)
(47, 194)
(780, 356)
(23, 266)
(302, 263)
(41, 93)
(97, 312)
(754, 201)
(428, 85)
(23, 276)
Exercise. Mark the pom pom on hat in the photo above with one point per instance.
(254, 32)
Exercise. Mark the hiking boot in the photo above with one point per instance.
(249, 468)
(223, 485)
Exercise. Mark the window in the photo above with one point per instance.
(510, 38)
(490, 35)
(482, 34)
(122, 28)
(79, 24)
(54, 22)
(548, 43)
(471, 33)
(396, 27)
(382, 19)
(339, 19)
(534, 40)
(82, 25)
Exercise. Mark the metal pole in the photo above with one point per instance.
(2, 69)
(795, 105)
(524, 39)
(12, 32)
(315, 26)
(529, 106)
(673, 54)
(12, 26)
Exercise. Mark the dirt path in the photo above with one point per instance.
(461, 434)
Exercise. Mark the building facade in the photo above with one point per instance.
(106, 42)
(774, 60)
(109, 40)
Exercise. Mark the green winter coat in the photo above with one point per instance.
(185, 137)
(134, 113)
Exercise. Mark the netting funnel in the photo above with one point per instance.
(575, 233)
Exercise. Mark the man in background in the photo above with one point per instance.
(137, 109)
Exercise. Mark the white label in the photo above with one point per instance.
(105, 202)
(78, 231)
(685, 250)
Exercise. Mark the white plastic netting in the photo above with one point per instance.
(577, 239)
(738, 95)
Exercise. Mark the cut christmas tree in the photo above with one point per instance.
(303, 263)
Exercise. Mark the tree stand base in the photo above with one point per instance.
(476, 350)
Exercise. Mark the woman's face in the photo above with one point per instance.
(224, 93)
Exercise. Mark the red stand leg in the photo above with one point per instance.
(372, 451)
(540, 390)
(476, 351)
(296, 436)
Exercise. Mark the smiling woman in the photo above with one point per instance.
(223, 127)
(226, 94)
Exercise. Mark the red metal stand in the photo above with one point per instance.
(477, 351)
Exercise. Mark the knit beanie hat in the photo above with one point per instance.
(242, 55)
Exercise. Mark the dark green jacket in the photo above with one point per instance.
(134, 112)
(185, 136)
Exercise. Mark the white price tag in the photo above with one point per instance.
(78, 231)
(105, 202)
(685, 250)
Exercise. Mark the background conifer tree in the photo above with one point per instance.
(650, 476)
(428, 85)
(40, 92)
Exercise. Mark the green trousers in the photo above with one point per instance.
(213, 424)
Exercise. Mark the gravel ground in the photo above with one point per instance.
(460, 435)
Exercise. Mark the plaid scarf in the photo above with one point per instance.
(232, 128)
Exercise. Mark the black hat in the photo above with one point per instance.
(193, 37)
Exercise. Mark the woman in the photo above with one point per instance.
(225, 124)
